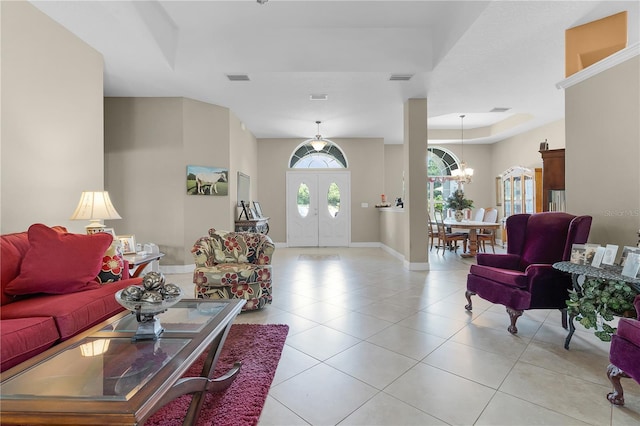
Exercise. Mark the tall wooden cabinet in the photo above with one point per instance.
(553, 195)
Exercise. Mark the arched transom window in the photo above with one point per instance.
(307, 157)
(440, 164)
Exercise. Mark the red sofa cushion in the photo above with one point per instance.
(72, 313)
(23, 338)
(59, 263)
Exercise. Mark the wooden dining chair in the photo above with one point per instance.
(488, 235)
(445, 239)
(432, 229)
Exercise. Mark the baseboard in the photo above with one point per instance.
(421, 266)
(365, 245)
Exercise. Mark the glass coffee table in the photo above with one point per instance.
(103, 376)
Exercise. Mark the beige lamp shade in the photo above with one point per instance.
(95, 206)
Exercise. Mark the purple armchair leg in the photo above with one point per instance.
(615, 374)
(514, 314)
(468, 295)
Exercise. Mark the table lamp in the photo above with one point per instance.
(95, 206)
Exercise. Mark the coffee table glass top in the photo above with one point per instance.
(107, 364)
(81, 371)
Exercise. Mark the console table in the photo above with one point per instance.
(607, 272)
(260, 225)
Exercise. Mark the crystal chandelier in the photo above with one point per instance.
(318, 143)
(464, 173)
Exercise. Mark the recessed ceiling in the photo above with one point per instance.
(465, 57)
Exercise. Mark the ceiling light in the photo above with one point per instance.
(318, 143)
(500, 109)
(262, 1)
(464, 173)
(319, 97)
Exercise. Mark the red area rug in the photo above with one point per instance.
(258, 347)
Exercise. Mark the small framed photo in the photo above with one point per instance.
(610, 253)
(128, 243)
(256, 206)
(597, 258)
(625, 254)
(631, 265)
(577, 254)
(110, 231)
(253, 214)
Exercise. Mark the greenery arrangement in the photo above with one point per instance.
(457, 201)
(600, 300)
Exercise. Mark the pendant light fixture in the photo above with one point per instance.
(464, 173)
(318, 143)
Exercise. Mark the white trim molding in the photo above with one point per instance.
(600, 66)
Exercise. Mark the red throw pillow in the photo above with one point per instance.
(59, 262)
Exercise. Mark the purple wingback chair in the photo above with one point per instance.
(624, 354)
(524, 277)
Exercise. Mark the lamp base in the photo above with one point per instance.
(95, 227)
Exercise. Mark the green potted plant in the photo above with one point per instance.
(457, 202)
(598, 302)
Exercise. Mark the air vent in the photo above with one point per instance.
(400, 77)
(238, 77)
(500, 109)
(319, 97)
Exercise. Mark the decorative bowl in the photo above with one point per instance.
(148, 308)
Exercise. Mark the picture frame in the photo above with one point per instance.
(578, 254)
(128, 243)
(258, 209)
(611, 251)
(253, 213)
(597, 258)
(110, 231)
(243, 210)
(205, 180)
(626, 250)
(631, 265)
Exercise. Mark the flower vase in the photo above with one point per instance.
(458, 215)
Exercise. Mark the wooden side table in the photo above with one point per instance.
(139, 261)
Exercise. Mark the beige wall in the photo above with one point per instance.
(365, 157)
(393, 172)
(603, 152)
(52, 141)
(149, 142)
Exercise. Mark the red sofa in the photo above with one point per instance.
(39, 306)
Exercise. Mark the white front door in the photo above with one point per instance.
(318, 209)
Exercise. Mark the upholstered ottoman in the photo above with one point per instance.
(234, 265)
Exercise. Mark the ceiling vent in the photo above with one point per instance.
(400, 77)
(500, 109)
(238, 77)
(319, 97)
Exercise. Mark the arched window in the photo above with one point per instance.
(440, 164)
(329, 157)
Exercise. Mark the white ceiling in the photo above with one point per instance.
(466, 57)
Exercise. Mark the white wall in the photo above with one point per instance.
(52, 140)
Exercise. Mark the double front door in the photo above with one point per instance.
(318, 209)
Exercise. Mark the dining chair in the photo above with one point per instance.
(479, 215)
(488, 235)
(432, 231)
(445, 239)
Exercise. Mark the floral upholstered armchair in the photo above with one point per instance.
(234, 265)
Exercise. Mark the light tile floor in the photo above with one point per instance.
(371, 343)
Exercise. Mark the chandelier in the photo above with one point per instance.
(464, 173)
(318, 143)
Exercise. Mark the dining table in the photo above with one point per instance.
(472, 226)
